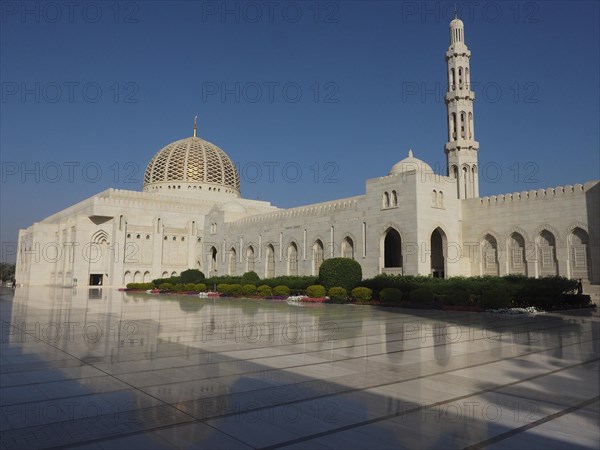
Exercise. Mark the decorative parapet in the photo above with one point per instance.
(539, 194)
(317, 209)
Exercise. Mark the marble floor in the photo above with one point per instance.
(101, 369)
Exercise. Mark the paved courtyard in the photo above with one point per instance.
(101, 369)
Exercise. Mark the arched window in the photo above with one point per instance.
(516, 248)
(292, 255)
(270, 258)
(250, 259)
(231, 261)
(490, 255)
(547, 265)
(451, 79)
(348, 248)
(440, 200)
(434, 198)
(460, 77)
(394, 199)
(470, 125)
(386, 200)
(462, 125)
(467, 78)
(318, 256)
(580, 254)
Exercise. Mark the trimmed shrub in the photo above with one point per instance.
(223, 288)
(281, 290)
(249, 289)
(166, 286)
(250, 278)
(315, 291)
(192, 276)
(264, 291)
(495, 298)
(342, 272)
(189, 287)
(199, 287)
(235, 289)
(422, 295)
(390, 295)
(338, 294)
(362, 294)
(178, 287)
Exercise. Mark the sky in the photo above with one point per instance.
(308, 98)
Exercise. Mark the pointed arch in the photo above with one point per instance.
(99, 237)
(546, 244)
(250, 256)
(147, 277)
(438, 245)
(318, 252)
(231, 261)
(517, 255)
(391, 245)
(348, 247)
(292, 258)
(212, 254)
(269, 261)
(489, 255)
(579, 254)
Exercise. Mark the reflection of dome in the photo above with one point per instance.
(192, 165)
(410, 164)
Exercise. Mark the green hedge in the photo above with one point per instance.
(250, 278)
(340, 272)
(390, 295)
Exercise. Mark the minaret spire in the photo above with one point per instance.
(195, 118)
(461, 148)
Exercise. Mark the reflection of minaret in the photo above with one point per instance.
(461, 148)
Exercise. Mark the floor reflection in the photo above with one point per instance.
(111, 369)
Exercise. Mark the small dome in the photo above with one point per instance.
(195, 165)
(457, 23)
(410, 164)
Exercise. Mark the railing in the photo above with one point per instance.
(392, 271)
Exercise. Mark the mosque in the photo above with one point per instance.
(190, 214)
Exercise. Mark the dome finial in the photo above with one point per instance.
(195, 118)
(410, 153)
(455, 11)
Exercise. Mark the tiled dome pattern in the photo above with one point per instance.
(192, 160)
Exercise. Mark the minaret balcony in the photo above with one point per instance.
(460, 94)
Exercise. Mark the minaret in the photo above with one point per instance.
(461, 148)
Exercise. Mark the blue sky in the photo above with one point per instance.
(309, 98)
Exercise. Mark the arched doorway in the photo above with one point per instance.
(392, 252)
(438, 260)
(213, 261)
(518, 263)
(547, 264)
